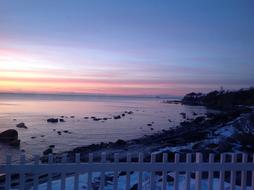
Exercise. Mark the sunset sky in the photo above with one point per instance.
(125, 47)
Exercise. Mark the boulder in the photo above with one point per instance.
(48, 151)
(52, 120)
(117, 117)
(21, 125)
(120, 142)
(15, 142)
(61, 120)
(9, 135)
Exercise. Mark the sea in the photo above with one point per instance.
(76, 131)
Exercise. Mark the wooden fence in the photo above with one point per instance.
(27, 175)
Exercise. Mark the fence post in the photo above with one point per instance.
(222, 172)
(89, 175)
(128, 173)
(152, 182)
(176, 180)
(198, 173)
(140, 175)
(244, 173)
(210, 173)
(76, 176)
(63, 175)
(115, 180)
(232, 173)
(102, 181)
(165, 173)
(187, 177)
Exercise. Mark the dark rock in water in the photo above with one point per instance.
(169, 120)
(9, 135)
(120, 142)
(62, 116)
(105, 118)
(96, 119)
(21, 125)
(194, 113)
(48, 151)
(86, 117)
(52, 120)
(130, 112)
(149, 124)
(123, 115)
(72, 116)
(117, 117)
(59, 132)
(42, 136)
(61, 120)
(14, 119)
(15, 142)
(152, 129)
(184, 115)
(51, 146)
(33, 137)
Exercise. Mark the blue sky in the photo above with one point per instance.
(138, 47)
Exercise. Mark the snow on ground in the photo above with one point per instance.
(56, 184)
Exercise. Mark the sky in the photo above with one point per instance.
(134, 47)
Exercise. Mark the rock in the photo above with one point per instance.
(117, 117)
(169, 120)
(123, 115)
(52, 120)
(151, 129)
(33, 137)
(9, 135)
(51, 146)
(149, 124)
(72, 116)
(61, 120)
(194, 113)
(15, 142)
(86, 117)
(48, 151)
(224, 146)
(21, 125)
(183, 115)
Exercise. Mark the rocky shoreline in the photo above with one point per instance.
(214, 133)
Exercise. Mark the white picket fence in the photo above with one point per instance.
(186, 166)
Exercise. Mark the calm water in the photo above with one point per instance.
(34, 112)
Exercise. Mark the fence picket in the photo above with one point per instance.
(22, 174)
(76, 175)
(176, 181)
(187, 176)
(244, 173)
(210, 173)
(198, 173)
(222, 172)
(165, 173)
(49, 183)
(128, 173)
(232, 173)
(115, 180)
(89, 175)
(152, 182)
(36, 175)
(8, 175)
(140, 175)
(102, 178)
(63, 175)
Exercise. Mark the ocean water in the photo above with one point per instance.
(35, 110)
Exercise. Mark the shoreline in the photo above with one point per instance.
(186, 138)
